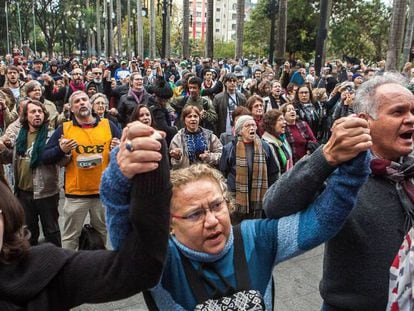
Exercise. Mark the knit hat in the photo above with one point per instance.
(356, 75)
(240, 122)
(91, 84)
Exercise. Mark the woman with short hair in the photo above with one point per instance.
(274, 124)
(193, 143)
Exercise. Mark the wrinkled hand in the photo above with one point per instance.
(176, 153)
(67, 145)
(145, 155)
(350, 136)
(204, 156)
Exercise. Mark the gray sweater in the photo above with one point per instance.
(357, 260)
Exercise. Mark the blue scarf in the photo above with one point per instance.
(200, 256)
(196, 144)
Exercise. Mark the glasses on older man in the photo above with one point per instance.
(217, 208)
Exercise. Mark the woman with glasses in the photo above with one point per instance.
(205, 250)
(136, 95)
(100, 106)
(306, 109)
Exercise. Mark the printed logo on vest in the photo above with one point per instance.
(89, 161)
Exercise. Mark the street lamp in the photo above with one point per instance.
(133, 24)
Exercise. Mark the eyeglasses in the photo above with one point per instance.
(76, 74)
(199, 215)
(97, 73)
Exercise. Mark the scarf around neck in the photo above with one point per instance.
(401, 173)
(200, 256)
(38, 146)
(250, 201)
(77, 87)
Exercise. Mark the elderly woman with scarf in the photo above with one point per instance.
(250, 168)
(193, 143)
(136, 95)
(274, 125)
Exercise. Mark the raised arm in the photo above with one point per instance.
(349, 137)
(138, 263)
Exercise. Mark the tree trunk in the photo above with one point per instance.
(152, 29)
(168, 33)
(186, 31)
(280, 49)
(408, 33)
(396, 34)
(98, 29)
(111, 28)
(119, 27)
(140, 31)
(209, 31)
(129, 39)
(239, 28)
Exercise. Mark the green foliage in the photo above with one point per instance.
(359, 28)
(302, 24)
(224, 49)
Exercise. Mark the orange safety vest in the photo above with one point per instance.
(89, 158)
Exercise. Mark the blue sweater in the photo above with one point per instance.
(267, 242)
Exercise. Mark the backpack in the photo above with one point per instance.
(90, 239)
(240, 298)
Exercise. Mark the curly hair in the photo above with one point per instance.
(184, 176)
(15, 236)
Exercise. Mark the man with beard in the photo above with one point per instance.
(85, 142)
(36, 183)
(208, 116)
(97, 79)
(357, 261)
(63, 93)
(13, 82)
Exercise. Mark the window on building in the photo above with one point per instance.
(217, 30)
(217, 20)
(233, 26)
(234, 6)
(233, 16)
(218, 9)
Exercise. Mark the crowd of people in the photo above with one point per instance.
(234, 158)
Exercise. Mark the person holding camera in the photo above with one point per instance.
(344, 107)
